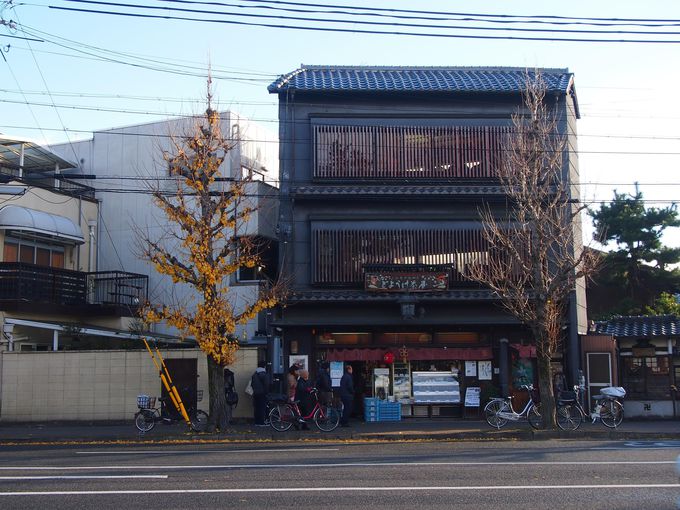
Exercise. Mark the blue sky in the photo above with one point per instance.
(628, 131)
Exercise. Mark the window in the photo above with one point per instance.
(344, 339)
(461, 338)
(268, 253)
(403, 338)
(32, 252)
(646, 378)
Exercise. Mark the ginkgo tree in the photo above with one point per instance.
(208, 241)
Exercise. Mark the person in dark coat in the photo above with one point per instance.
(324, 384)
(260, 383)
(346, 395)
(303, 393)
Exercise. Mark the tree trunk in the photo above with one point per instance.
(218, 403)
(545, 387)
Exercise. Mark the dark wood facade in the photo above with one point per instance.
(390, 183)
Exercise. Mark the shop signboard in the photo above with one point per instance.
(472, 396)
(485, 370)
(399, 281)
(470, 369)
(336, 372)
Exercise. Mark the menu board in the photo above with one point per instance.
(472, 396)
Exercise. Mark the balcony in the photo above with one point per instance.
(408, 152)
(31, 287)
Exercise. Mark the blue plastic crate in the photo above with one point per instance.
(395, 418)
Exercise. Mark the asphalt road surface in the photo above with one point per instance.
(419, 475)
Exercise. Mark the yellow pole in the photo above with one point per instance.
(172, 390)
(164, 374)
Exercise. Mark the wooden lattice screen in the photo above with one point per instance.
(407, 152)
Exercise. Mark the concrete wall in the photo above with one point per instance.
(97, 385)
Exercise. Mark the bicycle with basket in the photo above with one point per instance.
(148, 414)
(608, 408)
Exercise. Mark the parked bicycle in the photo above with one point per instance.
(608, 409)
(148, 414)
(286, 413)
(499, 411)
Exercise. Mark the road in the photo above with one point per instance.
(421, 475)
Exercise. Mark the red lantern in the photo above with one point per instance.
(388, 358)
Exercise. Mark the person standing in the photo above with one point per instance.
(346, 395)
(260, 384)
(291, 381)
(324, 384)
(303, 395)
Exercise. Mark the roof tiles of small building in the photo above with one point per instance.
(421, 79)
(640, 326)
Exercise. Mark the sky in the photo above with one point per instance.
(91, 71)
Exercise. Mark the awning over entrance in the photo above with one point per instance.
(414, 354)
(23, 219)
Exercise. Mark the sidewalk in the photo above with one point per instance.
(412, 429)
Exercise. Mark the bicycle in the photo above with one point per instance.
(608, 409)
(148, 414)
(284, 414)
(499, 411)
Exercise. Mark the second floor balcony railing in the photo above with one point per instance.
(408, 152)
(31, 283)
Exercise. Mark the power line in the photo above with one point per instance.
(354, 31)
(431, 16)
(485, 15)
(307, 19)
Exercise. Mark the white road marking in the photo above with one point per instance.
(381, 488)
(333, 465)
(163, 452)
(81, 477)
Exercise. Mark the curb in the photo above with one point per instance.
(452, 435)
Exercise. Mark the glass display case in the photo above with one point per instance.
(435, 388)
(401, 385)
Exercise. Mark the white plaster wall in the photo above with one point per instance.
(130, 158)
(647, 409)
(97, 385)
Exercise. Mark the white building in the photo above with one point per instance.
(128, 162)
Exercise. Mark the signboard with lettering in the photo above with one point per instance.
(392, 281)
(472, 394)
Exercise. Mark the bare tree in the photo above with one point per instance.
(208, 242)
(535, 258)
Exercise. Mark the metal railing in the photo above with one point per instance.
(51, 285)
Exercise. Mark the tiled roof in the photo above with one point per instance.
(422, 79)
(384, 190)
(640, 326)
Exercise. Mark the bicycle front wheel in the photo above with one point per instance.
(611, 414)
(199, 420)
(145, 420)
(281, 418)
(569, 417)
(534, 417)
(491, 413)
(327, 418)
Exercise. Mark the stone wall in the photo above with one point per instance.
(97, 385)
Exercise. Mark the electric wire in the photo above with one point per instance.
(307, 19)
(355, 31)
